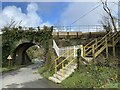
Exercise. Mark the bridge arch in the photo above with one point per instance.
(20, 56)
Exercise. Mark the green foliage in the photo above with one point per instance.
(43, 71)
(11, 36)
(48, 74)
(11, 68)
(92, 77)
(111, 85)
(35, 52)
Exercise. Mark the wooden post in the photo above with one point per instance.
(55, 66)
(106, 45)
(9, 62)
(96, 42)
(113, 43)
(63, 69)
(58, 34)
(93, 52)
(78, 58)
(74, 51)
(84, 51)
(77, 34)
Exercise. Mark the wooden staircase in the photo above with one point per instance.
(91, 50)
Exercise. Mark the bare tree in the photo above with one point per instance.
(108, 11)
(106, 23)
(13, 24)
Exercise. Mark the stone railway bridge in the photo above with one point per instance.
(20, 55)
(20, 40)
(41, 38)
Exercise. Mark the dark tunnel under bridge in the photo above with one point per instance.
(20, 56)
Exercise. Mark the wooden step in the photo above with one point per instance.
(54, 79)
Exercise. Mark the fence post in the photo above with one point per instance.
(58, 52)
(74, 51)
(96, 42)
(93, 52)
(55, 67)
(62, 69)
(113, 42)
(106, 41)
(82, 50)
(78, 58)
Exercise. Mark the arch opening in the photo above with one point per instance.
(20, 56)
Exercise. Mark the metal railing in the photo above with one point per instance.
(63, 61)
(79, 28)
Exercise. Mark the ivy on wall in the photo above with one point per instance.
(11, 36)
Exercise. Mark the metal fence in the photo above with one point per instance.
(79, 28)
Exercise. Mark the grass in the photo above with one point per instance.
(11, 68)
(111, 85)
(88, 77)
(92, 77)
(44, 72)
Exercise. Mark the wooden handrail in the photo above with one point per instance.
(99, 45)
(62, 62)
(63, 54)
(88, 49)
(70, 62)
(104, 37)
(88, 52)
(89, 43)
(65, 59)
(95, 47)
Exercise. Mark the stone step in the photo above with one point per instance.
(68, 69)
(66, 72)
(59, 77)
(54, 79)
(71, 67)
(73, 63)
(88, 59)
(65, 75)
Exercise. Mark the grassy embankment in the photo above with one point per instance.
(91, 76)
(102, 75)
